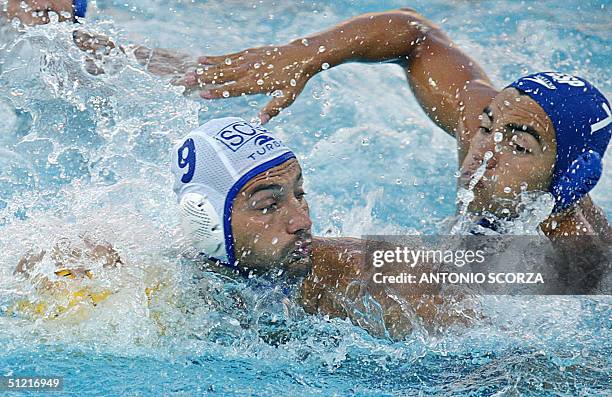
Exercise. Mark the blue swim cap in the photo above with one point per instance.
(582, 120)
(80, 8)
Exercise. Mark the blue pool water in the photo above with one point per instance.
(83, 153)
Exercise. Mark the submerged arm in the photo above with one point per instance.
(160, 62)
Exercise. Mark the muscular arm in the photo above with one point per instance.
(448, 84)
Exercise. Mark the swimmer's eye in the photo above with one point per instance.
(269, 208)
(520, 149)
(300, 196)
(484, 130)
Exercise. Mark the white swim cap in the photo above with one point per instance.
(211, 164)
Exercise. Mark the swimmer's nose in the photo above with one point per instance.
(299, 221)
(476, 160)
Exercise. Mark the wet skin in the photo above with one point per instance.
(271, 222)
(523, 156)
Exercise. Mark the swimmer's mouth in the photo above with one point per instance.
(303, 249)
(466, 180)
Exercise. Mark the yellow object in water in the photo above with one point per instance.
(56, 298)
(55, 305)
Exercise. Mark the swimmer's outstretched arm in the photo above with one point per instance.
(449, 85)
(158, 61)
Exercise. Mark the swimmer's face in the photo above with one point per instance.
(271, 222)
(521, 138)
(36, 12)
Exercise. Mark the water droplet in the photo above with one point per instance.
(293, 83)
(53, 17)
(260, 82)
(488, 155)
(277, 93)
(305, 42)
(228, 61)
(498, 137)
(507, 190)
(325, 66)
(322, 48)
(199, 71)
(398, 181)
(257, 65)
(274, 241)
(226, 94)
(365, 141)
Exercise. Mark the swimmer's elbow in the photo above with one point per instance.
(425, 26)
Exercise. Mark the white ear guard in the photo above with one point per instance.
(203, 225)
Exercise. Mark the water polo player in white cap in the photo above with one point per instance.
(243, 207)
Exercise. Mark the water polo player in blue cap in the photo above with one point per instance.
(544, 132)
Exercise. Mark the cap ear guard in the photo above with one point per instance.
(203, 225)
(580, 177)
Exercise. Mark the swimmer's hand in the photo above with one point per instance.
(68, 257)
(160, 62)
(96, 46)
(36, 12)
(281, 71)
